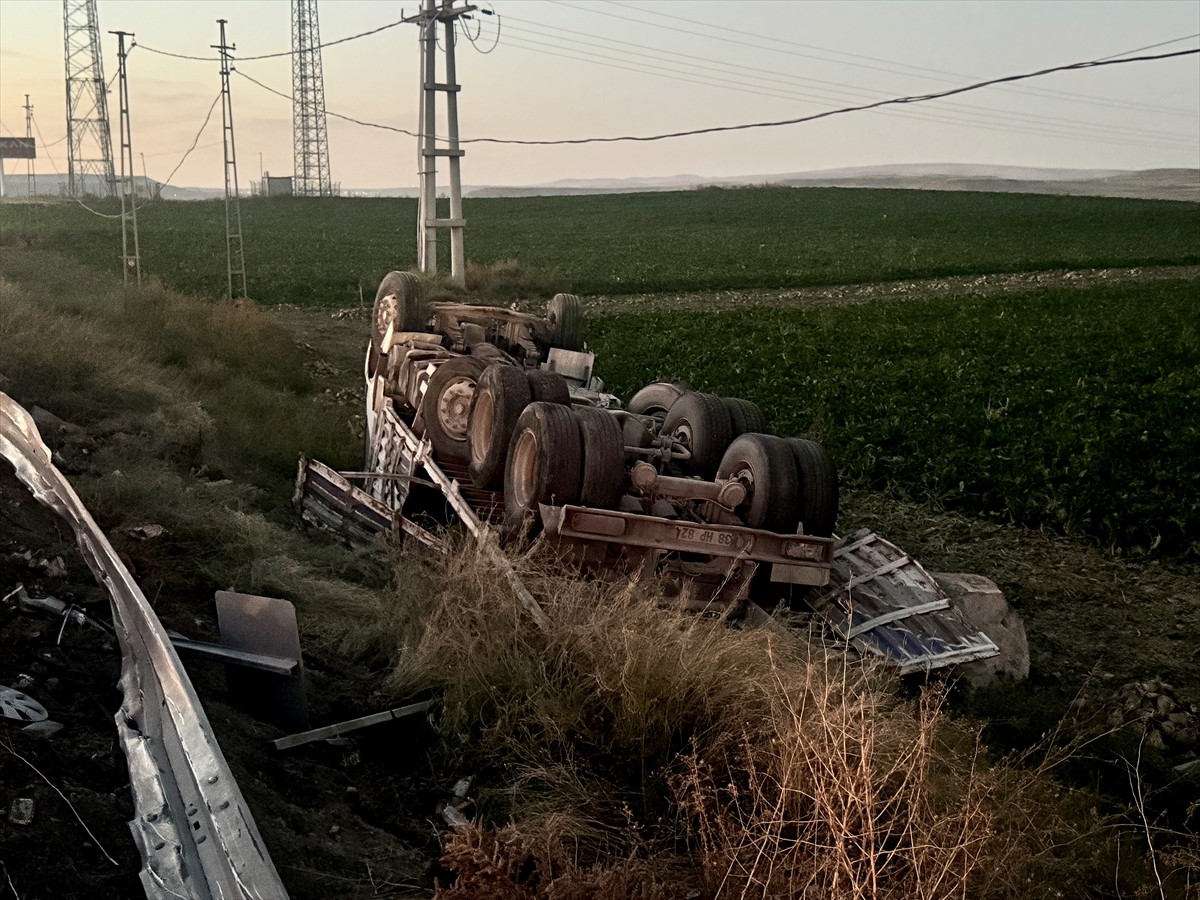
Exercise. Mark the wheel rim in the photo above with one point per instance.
(454, 408)
(523, 474)
(386, 313)
(482, 427)
(683, 433)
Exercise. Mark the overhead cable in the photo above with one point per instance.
(353, 37)
(328, 112)
(895, 101)
(195, 141)
(889, 66)
(754, 83)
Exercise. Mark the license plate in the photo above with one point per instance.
(701, 537)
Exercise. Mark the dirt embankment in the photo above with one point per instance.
(886, 291)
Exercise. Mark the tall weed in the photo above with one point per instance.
(632, 737)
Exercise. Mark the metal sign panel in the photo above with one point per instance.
(18, 148)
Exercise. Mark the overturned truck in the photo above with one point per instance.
(501, 413)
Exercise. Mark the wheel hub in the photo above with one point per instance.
(454, 408)
(386, 313)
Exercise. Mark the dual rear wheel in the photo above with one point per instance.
(787, 480)
(560, 455)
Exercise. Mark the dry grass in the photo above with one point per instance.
(508, 279)
(193, 415)
(670, 752)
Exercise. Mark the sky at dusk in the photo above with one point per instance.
(560, 70)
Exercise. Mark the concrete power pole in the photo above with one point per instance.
(235, 261)
(128, 189)
(428, 222)
(30, 178)
(89, 142)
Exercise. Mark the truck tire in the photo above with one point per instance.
(603, 459)
(701, 423)
(446, 408)
(544, 461)
(635, 433)
(501, 395)
(817, 499)
(548, 387)
(655, 399)
(767, 466)
(565, 316)
(746, 416)
(399, 302)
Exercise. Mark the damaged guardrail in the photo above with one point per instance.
(196, 835)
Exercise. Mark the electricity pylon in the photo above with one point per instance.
(30, 178)
(235, 260)
(89, 142)
(129, 226)
(311, 176)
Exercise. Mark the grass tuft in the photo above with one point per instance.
(732, 763)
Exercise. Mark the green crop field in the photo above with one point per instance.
(322, 252)
(1074, 408)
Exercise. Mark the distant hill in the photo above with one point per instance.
(1147, 184)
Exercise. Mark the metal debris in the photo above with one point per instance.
(885, 604)
(44, 729)
(20, 811)
(19, 706)
(330, 731)
(194, 831)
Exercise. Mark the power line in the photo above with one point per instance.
(45, 147)
(759, 87)
(945, 118)
(1008, 79)
(195, 141)
(892, 65)
(479, 31)
(329, 112)
(352, 37)
(896, 101)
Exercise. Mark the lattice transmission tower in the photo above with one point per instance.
(89, 141)
(311, 176)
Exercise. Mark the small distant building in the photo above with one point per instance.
(277, 185)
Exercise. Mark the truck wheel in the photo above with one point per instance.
(399, 302)
(746, 416)
(635, 433)
(603, 446)
(817, 500)
(446, 408)
(701, 423)
(548, 387)
(766, 466)
(501, 395)
(565, 316)
(655, 399)
(543, 461)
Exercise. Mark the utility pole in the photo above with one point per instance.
(30, 179)
(428, 222)
(89, 144)
(311, 176)
(235, 262)
(128, 188)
